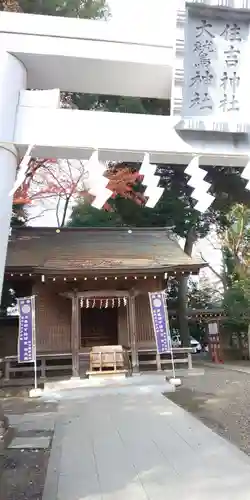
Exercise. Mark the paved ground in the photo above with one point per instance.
(221, 399)
(132, 443)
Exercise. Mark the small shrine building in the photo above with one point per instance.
(91, 286)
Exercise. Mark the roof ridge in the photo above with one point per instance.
(80, 229)
(97, 248)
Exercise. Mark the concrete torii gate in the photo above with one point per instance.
(76, 55)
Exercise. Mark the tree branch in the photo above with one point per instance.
(216, 273)
(40, 214)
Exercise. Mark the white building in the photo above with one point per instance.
(207, 84)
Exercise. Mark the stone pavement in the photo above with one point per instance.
(132, 443)
(236, 366)
(32, 430)
(33, 421)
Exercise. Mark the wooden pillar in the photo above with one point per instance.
(75, 336)
(132, 328)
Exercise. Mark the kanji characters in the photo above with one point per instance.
(204, 28)
(204, 62)
(206, 102)
(231, 32)
(197, 78)
(229, 104)
(206, 78)
(202, 101)
(234, 82)
(203, 47)
(232, 56)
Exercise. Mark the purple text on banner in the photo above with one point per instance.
(26, 337)
(160, 321)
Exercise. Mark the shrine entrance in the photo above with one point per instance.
(100, 332)
(99, 327)
(99, 320)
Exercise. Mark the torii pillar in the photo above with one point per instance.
(12, 80)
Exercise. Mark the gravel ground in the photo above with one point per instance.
(23, 472)
(221, 399)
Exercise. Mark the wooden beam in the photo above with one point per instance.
(87, 294)
(132, 328)
(103, 293)
(75, 336)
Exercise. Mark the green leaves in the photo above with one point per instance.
(86, 9)
(83, 215)
(236, 260)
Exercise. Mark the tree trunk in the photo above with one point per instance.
(182, 292)
(248, 339)
(65, 209)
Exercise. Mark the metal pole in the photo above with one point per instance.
(172, 359)
(33, 299)
(171, 347)
(35, 373)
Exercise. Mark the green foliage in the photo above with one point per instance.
(237, 306)
(84, 215)
(200, 297)
(175, 208)
(19, 215)
(119, 104)
(87, 9)
(236, 260)
(197, 297)
(8, 299)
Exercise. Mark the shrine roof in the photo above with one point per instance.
(101, 249)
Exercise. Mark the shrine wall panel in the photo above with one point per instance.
(8, 336)
(123, 331)
(53, 319)
(144, 328)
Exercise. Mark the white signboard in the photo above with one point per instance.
(216, 72)
(212, 328)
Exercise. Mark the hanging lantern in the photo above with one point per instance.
(87, 303)
(81, 302)
(106, 304)
(113, 303)
(119, 302)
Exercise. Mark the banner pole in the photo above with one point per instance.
(171, 346)
(34, 339)
(35, 373)
(172, 360)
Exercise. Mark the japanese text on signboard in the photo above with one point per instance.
(26, 337)
(160, 321)
(213, 67)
